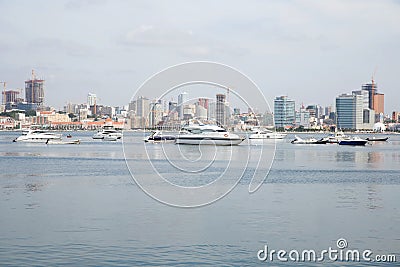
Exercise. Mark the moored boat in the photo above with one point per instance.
(354, 141)
(206, 134)
(37, 136)
(311, 140)
(107, 131)
(377, 139)
(266, 134)
(158, 136)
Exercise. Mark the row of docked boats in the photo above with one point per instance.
(107, 133)
(338, 138)
(198, 134)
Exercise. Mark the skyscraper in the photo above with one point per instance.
(34, 91)
(284, 111)
(143, 111)
(182, 98)
(349, 111)
(220, 111)
(371, 88)
(91, 99)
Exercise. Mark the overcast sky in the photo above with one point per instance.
(309, 50)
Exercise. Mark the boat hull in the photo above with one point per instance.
(373, 139)
(208, 141)
(353, 142)
(60, 142)
(267, 136)
(35, 140)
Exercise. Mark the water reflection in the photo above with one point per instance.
(359, 156)
(374, 201)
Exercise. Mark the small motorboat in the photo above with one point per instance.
(377, 139)
(157, 136)
(354, 141)
(311, 140)
(69, 136)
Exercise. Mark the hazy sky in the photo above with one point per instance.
(309, 50)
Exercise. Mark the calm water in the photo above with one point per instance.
(77, 205)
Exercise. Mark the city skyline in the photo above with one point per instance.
(310, 50)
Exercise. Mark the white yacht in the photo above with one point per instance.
(108, 132)
(38, 136)
(266, 134)
(206, 134)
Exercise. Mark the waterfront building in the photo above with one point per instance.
(349, 111)
(284, 111)
(303, 118)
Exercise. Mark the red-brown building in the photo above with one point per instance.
(379, 103)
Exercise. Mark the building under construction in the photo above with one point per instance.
(34, 91)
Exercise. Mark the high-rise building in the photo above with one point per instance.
(201, 112)
(132, 106)
(379, 103)
(172, 107)
(11, 96)
(34, 91)
(284, 111)
(211, 115)
(182, 99)
(91, 99)
(142, 111)
(303, 118)
(156, 113)
(365, 96)
(204, 102)
(220, 109)
(349, 111)
(371, 88)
